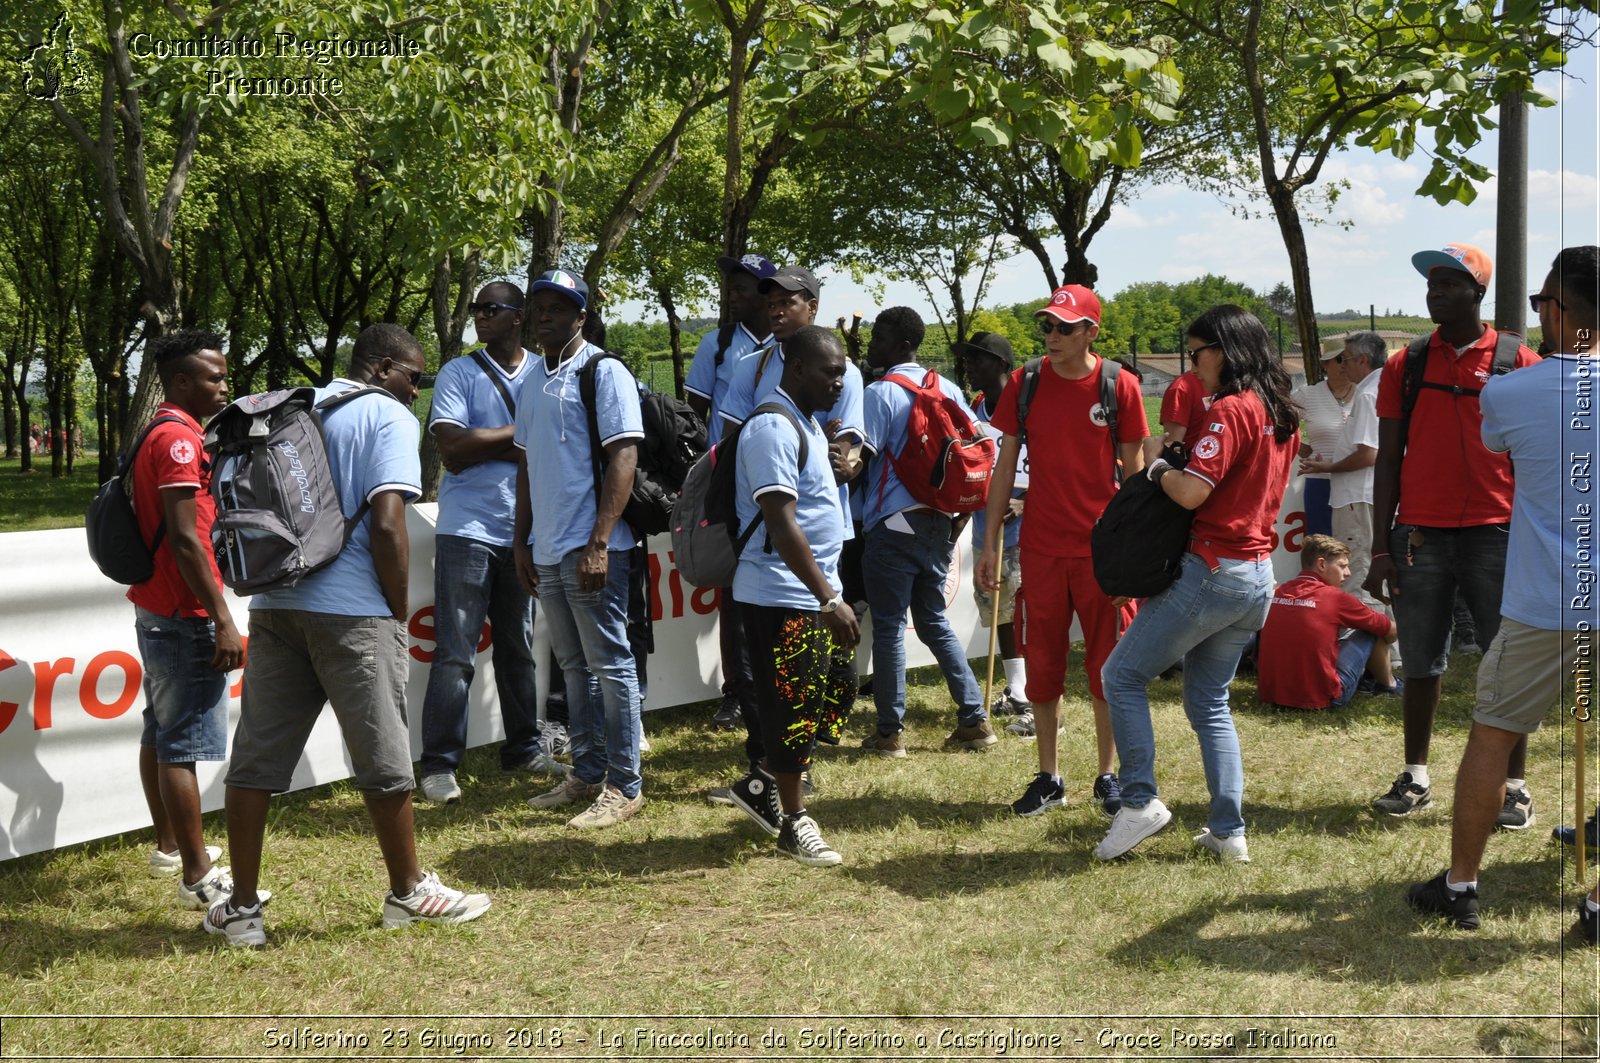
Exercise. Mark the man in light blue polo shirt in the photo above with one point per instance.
(908, 552)
(787, 585)
(338, 637)
(791, 295)
(474, 575)
(712, 370)
(574, 551)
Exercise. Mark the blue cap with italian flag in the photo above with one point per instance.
(568, 284)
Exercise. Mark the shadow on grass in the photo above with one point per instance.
(1325, 930)
(575, 859)
(935, 875)
(34, 945)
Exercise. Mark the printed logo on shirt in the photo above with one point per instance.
(182, 451)
(1097, 414)
(1207, 447)
(1214, 427)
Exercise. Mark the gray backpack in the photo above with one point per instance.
(706, 540)
(278, 513)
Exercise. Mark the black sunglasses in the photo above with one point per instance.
(489, 309)
(414, 374)
(1538, 301)
(1194, 352)
(1066, 328)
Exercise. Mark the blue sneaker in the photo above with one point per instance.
(1569, 835)
(1108, 792)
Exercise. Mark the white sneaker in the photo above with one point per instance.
(239, 927)
(441, 789)
(1231, 850)
(165, 865)
(1130, 827)
(214, 887)
(431, 901)
(644, 741)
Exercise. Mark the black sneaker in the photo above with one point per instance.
(1043, 794)
(728, 717)
(1517, 812)
(1588, 925)
(1569, 835)
(801, 839)
(1434, 897)
(1108, 791)
(756, 795)
(1404, 797)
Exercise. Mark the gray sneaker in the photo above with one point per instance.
(569, 791)
(1404, 797)
(542, 763)
(1024, 726)
(609, 809)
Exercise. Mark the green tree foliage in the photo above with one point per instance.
(1156, 313)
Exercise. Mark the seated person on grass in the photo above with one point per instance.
(1318, 640)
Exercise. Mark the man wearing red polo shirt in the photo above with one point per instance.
(1441, 509)
(188, 641)
(1071, 477)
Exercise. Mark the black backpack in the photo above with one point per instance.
(674, 436)
(1109, 371)
(116, 545)
(1139, 541)
(1411, 384)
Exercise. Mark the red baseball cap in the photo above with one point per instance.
(1070, 303)
(1464, 257)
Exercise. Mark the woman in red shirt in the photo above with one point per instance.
(1242, 452)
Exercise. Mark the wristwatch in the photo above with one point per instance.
(832, 604)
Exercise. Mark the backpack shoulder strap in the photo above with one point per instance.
(494, 376)
(1029, 388)
(1506, 347)
(586, 395)
(334, 401)
(125, 471)
(1411, 384)
(1110, 371)
(766, 356)
(725, 340)
(805, 450)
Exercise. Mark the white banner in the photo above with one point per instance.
(71, 694)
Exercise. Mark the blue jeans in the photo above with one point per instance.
(185, 699)
(908, 572)
(1354, 652)
(473, 581)
(1204, 619)
(1472, 559)
(589, 633)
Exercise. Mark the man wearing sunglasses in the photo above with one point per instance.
(474, 573)
(1071, 478)
(338, 637)
(1441, 506)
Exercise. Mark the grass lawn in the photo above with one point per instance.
(32, 501)
(685, 920)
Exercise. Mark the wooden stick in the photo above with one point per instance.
(994, 617)
(1581, 804)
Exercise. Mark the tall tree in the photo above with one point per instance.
(1320, 75)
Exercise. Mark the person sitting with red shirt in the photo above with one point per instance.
(1304, 662)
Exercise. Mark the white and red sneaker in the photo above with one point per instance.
(431, 901)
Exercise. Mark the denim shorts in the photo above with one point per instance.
(1431, 565)
(185, 700)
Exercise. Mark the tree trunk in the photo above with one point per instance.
(449, 324)
(674, 336)
(1294, 242)
(9, 408)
